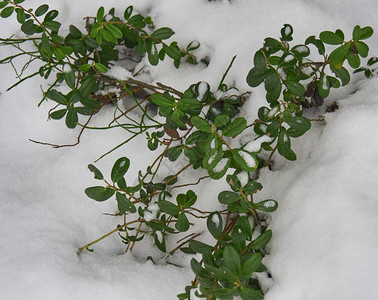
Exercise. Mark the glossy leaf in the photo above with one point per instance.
(41, 10)
(99, 193)
(182, 223)
(215, 224)
(236, 127)
(97, 173)
(228, 197)
(120, 168)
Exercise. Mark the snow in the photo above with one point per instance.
(221, 165)
(216, 220)
(248, 158)
(255, 146)
(325, 229)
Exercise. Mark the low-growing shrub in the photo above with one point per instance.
(198, 128)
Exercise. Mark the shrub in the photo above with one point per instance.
(199, 126)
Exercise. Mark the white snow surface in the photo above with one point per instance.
(325, 229)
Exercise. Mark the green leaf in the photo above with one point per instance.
(201, 124)
(160, 241)
(7, 12)
(100, 14)
(162, 101)
(215, 224)
(186, 200)
(246, 161)
(301, 50)
(239, 238)
(252, 263)
(114, 31)
(228, 197)
(356, 33)
(58, 114)
(247, 293)
(256, 76)
(284, 145)
(41, 10)
(295, 88)
(18, 1)
(162, 33)
(100, 67)
(244, 224)
(99, 193)
(259, 61)
(76, 33)
(212, 158)
(128, 12)
(298, 126)
(173, 51)
(269, 205)
(362, 49)
(124, 204)
(137, 21)
(232, 260)
(323, 86)
(198, 246)
(29, 27)
(235, 127)
(182, 223)
(169, 208)
(97, 172)
(71, 118)
(120, 168)
(221, 120)
(52, 25)
(262, 240)
(330, 38)
(51, 15)
(317, 43)
(343, 74)
(173, 153)
(21, 16)
(353, 60)
(153, 55)
(366, 32)
(338, 56)
(220, 168)
(190, 105)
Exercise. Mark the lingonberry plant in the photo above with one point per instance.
(198, 128)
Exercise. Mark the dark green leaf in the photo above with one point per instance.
(298, 126)
(323, 86)
(235, 127)
(220, 168)
(221, 120)
(353, 60)
(7, 12)
(198, 246)
(247, 293)
(160, 241)
(317, 43)
(162, 33)
(343, 74)
(362, 49)
(269, 205)
(162, 101)
(366, 32)
(190, 105)
(295, 88)
(99, 193)
(120, 168)
(128, 12)
(301, 50)
(21, 16)
(41, 10)
(259, 61)
(256, 76)
(100, 14)
(201, 124)
(51, 15)
(244, 224)
(97, 172)
(232, 259)
(173, 51)
(71, 118)
(252, 263)
(215, 224)
(53, 25)
(186, 200)
(100, 67)
(330, 38)
(114, 31)
(29, 27)
(239, 238)
(228, 197)
(57, 97)
(284, 145)
(57, 115)
(87, 86)
(174, 152)
(262, 240)
(246, 161)
(182, 223)
(76, 33)
(124, 204)
(169, 208)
